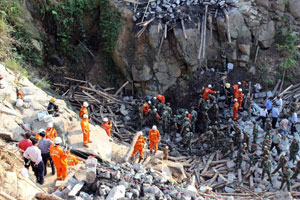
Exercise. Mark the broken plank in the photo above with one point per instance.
(211, 181)
(208, 163)
(120, 89)
(89, 95)
(251, 182)
(76, 189)
(183, 29)
(76, 80)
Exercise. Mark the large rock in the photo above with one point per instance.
(263, 3)
(294, 8)
(98, 136)
(117, 192)
(266, 33)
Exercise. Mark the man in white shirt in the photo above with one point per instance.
(276, 142)
(263, 114)
(294, 120)
(34, 154)
(283, 127)
(278, 102)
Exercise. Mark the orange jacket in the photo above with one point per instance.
(83, 110)
(85, 125)
(140, 142)
(189, 116)
(236, 106)
(72, 160)
(37, 136)
(106, 125)
(206, 92)
(235, 88)
(20, 95)
(58, 156)
(146, 108)
(154, 136)
(240, 96)
(161, 98)
(51, 133)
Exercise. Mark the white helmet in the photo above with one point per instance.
(155, 110)
(209, 86)
(283, 154)
(85, 116)
(239, 83)
(85, 104)
(141, 133)
(240, 90)
(154, 97)
(57, 140)
(186, 112)
(105, 119)
(149, 102)
(154, 128)
(50, 125)
(234, 99)
(41, 130)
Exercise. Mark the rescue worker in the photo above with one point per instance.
(72, 160)
(294, 149)
(207, 91)
(139, 147)
(107, 125)
(186, 124)
(215, 111)
(241, 156)
(255, 131)
(194, 118)
(266, 166)
(154, 138)
(20, 94)
(52, 108)
(229, 94)
(286, 176)
(166, 121)
(276, 142)
(161, 98)
(146, 108)
(248, 105)
(235, 89)
(187, 139)
(84, 109)
(235, 109)
(59, 158)
(37, 135)
(268, 125)
(297, 170)
(44, 146)
(50, 132)
(85, 127)
(240, 98)
(281, 163)
(169, 109)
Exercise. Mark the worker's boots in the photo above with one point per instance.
(140, 160)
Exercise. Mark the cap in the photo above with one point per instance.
(85, 104)
(41, 130)
(105, 119)
(50, 125)
(154, 128)
(209, 86)
(149, 102)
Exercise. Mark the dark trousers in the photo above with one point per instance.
(45, 158)
(274, 122)
(276, 146)
(263, 119)
(26, 163)
(293, 129)
(38, 172)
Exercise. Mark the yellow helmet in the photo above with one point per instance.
(227, 85)
(52, 100)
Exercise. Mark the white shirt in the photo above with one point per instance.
(34, 154)
(276, 138)
(294, 118)
(284, 124)
(263, 112)
(278, 102)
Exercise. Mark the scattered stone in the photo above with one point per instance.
(229, 189)
(116, 193)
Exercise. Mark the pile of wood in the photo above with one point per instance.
(103, 103)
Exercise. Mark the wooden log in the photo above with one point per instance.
(183, 29)
(283, 77)
(217, 162)
(220, 175)
(275, 88)
(251, 182)
(120, 89)
(256, 54)
(89, 95)
(45, 196)
(284, 91)
(146, 10)
(208, 163)
(211, 181)
(76, 189)
(76, 80)
(160, 46)
(103, 94)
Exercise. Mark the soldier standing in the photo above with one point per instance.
(294, 148)
(281, 163)
(268, 125)
(194, 118)
(166, 121)
(297, 170)
(215, 110)
(187, 139)
(240, 156)
(266, 166)
(186, 124)
(252, 154)
(276, 142)
(287, 173)
(255, 131)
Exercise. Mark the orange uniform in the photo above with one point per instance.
(154, 137)
(83, 110)
(107, 127)
(20, 95)
(235, 88)
(139, 146)
(206, 92)
(72, 160)
(60, 161)
(161, 98)
(189, 116)
(240, 99)
(51, 133)
(146, 108)
(37, 136)
(85, 127)
(235, 110)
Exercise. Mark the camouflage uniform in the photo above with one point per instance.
(266, 166)
(205, 119)
(297, 170)
(252, 154)
(255, 132)
(268, 125)
(249, 106)
(215, 110)
(240, 156)
(169, 109)
(286, 176)
(186, 123)
(187, 139)
(294, 148)
(166, 121)
(212, 98)
(281, 164)
(246, 139)
(293, 107)
(220, 139)
(228, 145)
(209, 137)
(194, 119)
(238, 137)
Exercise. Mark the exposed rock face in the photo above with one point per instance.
(153, 72)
